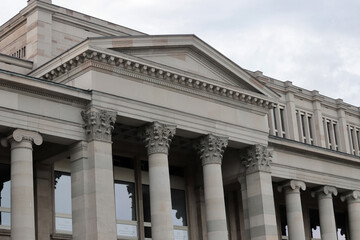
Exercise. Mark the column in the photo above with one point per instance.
(22, 185)
(259, 192)
(353, 202)
(326, 211)
(211, 150)
(294, 214)
(158, 138)
(92, 181)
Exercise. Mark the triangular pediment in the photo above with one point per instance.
(186, 54)
(188, 60)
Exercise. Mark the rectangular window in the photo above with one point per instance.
(275, 122)
(282, 118)
(125, 203)
(335, 136)
(5, 201)
(352, 140)
(302, 116)
(63, 221)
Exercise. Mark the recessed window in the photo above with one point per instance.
(63, 221)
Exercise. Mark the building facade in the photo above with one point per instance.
(110, 133)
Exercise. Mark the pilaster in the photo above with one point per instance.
(344, 144)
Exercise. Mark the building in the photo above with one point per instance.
(99, 123)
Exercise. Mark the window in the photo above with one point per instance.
(63, 222)
(5, 203)
(283, 221)
(331, 132)
(353, 133)
(305, 127)
(277, 121)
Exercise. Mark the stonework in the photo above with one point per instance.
(257, 158)
(75, 91)
(98, 124)
(157, 137)
(211, 149)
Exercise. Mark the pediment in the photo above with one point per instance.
(186, 54)
(188, 60)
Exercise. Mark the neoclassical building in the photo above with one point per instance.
(109, 133)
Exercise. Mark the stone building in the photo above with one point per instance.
(110, 133)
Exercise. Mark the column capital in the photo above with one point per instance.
(353, 196)
(20, 135)
(257, 158)
(211, 149)
(98, 124)
(158, 136)
(324, 192)
(292, 186)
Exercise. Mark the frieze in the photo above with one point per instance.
(157, 137)
(99, 124)
(256, 158)
(154, 72)
(211, 149)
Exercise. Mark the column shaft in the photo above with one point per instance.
(160, 197)
(353, 203)
(326, 212)
(259, 193)
(294, 215)
(354, 219)
(22, 191)
(214, 202)
(158, 137)
(22, 185)
(92, 191)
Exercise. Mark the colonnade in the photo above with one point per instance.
(93, 207)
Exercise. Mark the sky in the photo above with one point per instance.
(315, 44)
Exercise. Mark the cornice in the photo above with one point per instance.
(170, 78)
(81, 97)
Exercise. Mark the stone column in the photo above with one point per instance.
(92, 179)
(211, 150)
(259, 192)
(158, 138)
(326, 212)
(22, 185)
(293, 209)
(353, 201)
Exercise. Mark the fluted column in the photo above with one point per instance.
(158, 138)
(92, 181)
(211, 150)
(294, 214)
(259, 193)
(353, 202)
(326, 212)
(22, 185)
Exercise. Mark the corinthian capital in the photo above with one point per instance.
(20, 135)
(211, 149)
(158, 137)
(98, 124)
(257, 158)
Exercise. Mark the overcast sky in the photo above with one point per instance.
(313, 43)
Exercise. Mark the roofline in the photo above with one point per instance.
(45, 81)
